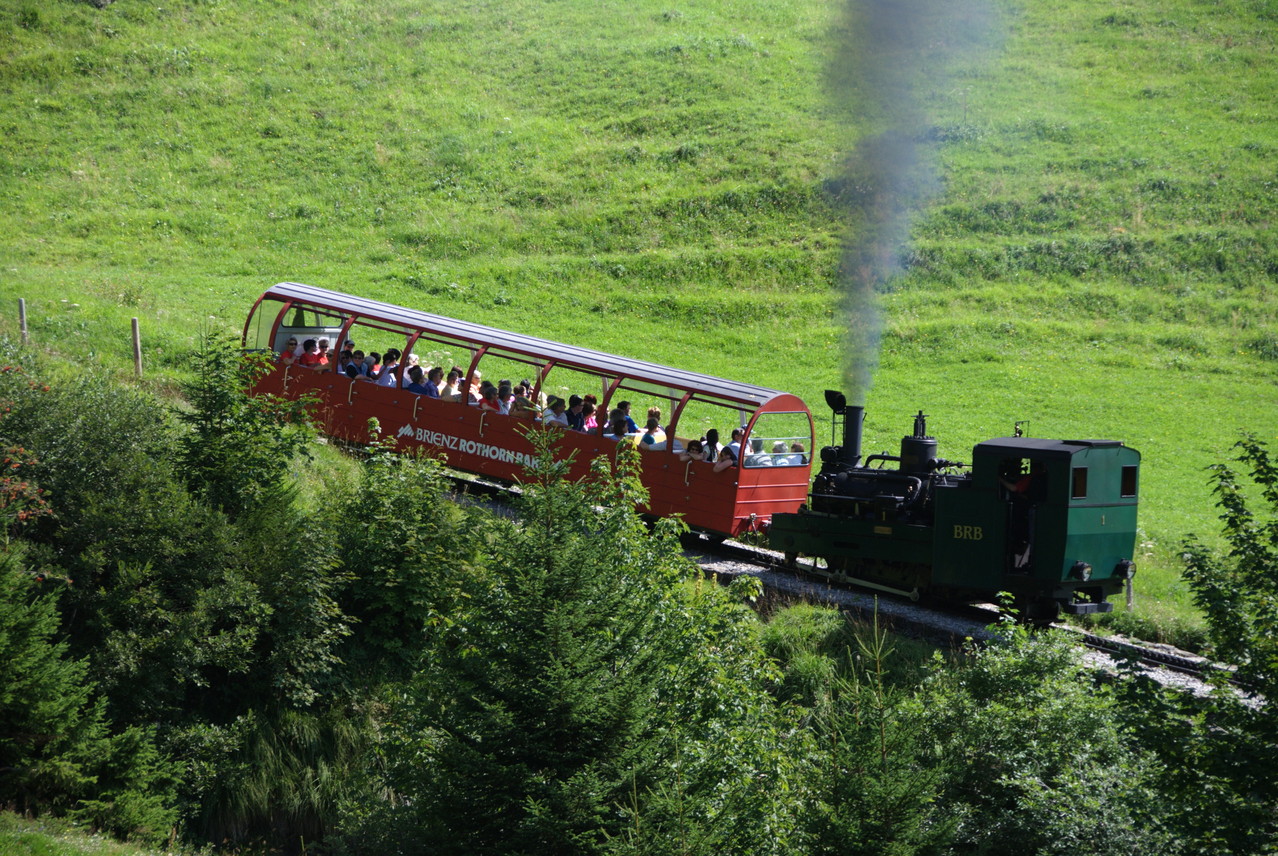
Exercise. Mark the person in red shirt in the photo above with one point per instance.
(311, 357)
(289, 355)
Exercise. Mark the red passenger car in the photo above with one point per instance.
(770, 476)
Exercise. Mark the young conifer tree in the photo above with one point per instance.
(575, 706)
(239, 447)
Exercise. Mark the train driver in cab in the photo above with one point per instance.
(1030, 487)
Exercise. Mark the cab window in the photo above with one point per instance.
(1079, 482)
(1128, 488)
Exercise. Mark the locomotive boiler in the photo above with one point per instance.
(1051, 522)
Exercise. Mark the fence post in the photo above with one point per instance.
(137, 350)
(1131, 595)
(22, 318)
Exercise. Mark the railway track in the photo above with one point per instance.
(946, 627)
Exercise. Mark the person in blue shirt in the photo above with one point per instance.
(631, 427)
(415, 378)
(433, 380)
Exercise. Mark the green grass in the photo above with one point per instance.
(53, 837)
(655, 179)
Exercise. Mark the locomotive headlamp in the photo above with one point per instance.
(1125, 570)
(1081, 571)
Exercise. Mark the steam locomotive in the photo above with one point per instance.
(1052, 522)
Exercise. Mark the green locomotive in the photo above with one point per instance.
(1053, 522)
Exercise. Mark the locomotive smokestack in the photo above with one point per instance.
(853, 418)
(853, 423)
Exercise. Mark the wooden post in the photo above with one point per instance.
(137, 350)
(22, 318)
(1131, 595)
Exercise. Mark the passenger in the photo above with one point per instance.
(617, 428)
(523, 407)
(310, 355)
(556, 414)
(588, 421)
(506, 393)
(416, 381)
(489, 402)
(727, 458)
(735, 446)
(654, 415)
(323, 350)
(452, 389)
(434, 378)
(355, 368)
(344, 360)
(653, 438)
(289, 354)
(372, 365)
(576, 413)
(695, 452)
(755, 456)
(409, 361)
(387, 373)
(800, 457)
(631, 427)
(539, 399)
(711, 445)
(476, 388)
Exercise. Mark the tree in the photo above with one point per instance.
(55, 749)
(1221, 753)
(877, 776)
(1039, 755)
(240, 446)
(576, 702)
(402, 547)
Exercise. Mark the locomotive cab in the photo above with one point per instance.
(1051, 521)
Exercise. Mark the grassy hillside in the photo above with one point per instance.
(656, 179)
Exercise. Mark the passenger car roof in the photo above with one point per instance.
(502, 343)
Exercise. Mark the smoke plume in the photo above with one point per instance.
(891, 54)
